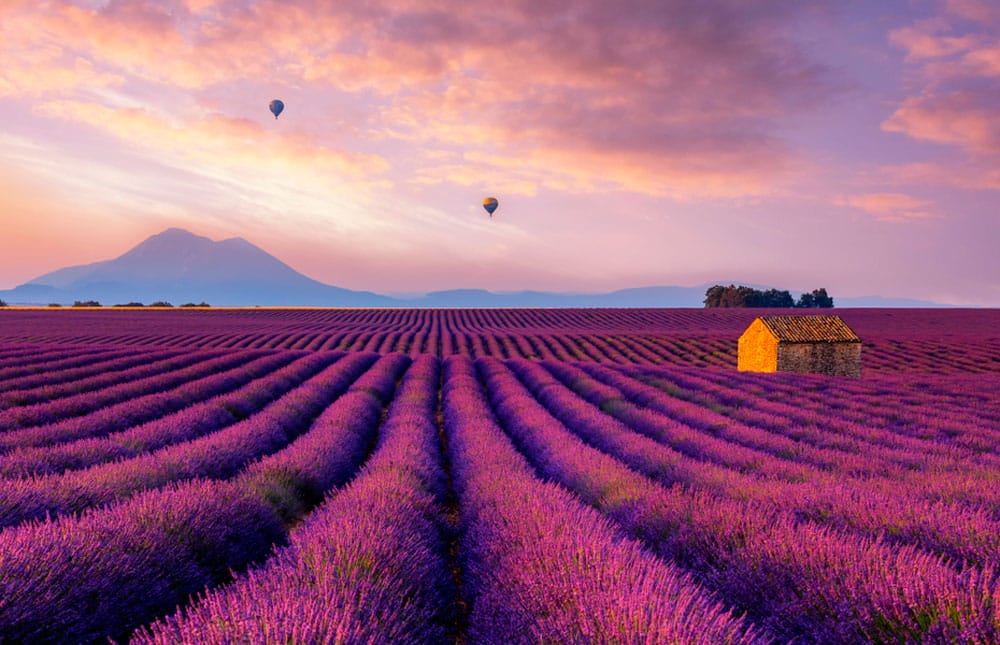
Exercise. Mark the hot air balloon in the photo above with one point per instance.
(276, 106)
(490, 204)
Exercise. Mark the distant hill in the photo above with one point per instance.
(640, 297)
(881, 302)
(180, 267)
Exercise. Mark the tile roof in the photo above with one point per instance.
(810, 329)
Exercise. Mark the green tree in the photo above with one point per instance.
(770, 298)
(822, 300)
(728, 297)
(742, 296)
(817, 299)
(713, 297)
(739, 297)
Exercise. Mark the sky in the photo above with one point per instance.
(848, 145)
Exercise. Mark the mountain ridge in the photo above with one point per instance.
(178, 266)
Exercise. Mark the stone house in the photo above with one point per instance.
(804, 344)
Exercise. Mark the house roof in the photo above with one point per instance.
(810, 329)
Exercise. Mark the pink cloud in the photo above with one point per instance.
(968, 119)
(217, 139)
(47, 71)
(954, 65)
(36, 63)
(985, 60)
(948, 49)
(975, 175)
(923, 41)
(890, 207)
(673, 95)
(163, 42)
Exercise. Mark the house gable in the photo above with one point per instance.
(758, 349)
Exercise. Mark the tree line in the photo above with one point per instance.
(742, 296)
(95, 303)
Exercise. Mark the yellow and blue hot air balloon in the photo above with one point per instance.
(490, 204)
(276, 106)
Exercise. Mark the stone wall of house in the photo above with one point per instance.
(835, 359)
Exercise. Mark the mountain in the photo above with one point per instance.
(179, 267)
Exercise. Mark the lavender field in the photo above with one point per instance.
(493, 476)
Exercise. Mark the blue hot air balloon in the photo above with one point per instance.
(276, 106)
(490, 204)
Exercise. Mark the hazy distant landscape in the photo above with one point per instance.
(177, 266)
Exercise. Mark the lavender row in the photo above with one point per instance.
(825, 452)
(541, 567)
(103, 371)
(216, 456)
(15, 354)
(296, 479)
(711, 446)
(269, 377)
(367, 566)
(191, 385)
(626, 432)
(44, 360)
(79, 580)
(906, 443)
(957, 394)
(16, 351)
(890, 403)
(966, 397)
(545, 345)
(697, 431)
(903, 342)
(172, 372)
(606, 321)
(804, 582)
(942, 479)
(105, 573)
(880, 419)
(655, 444)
